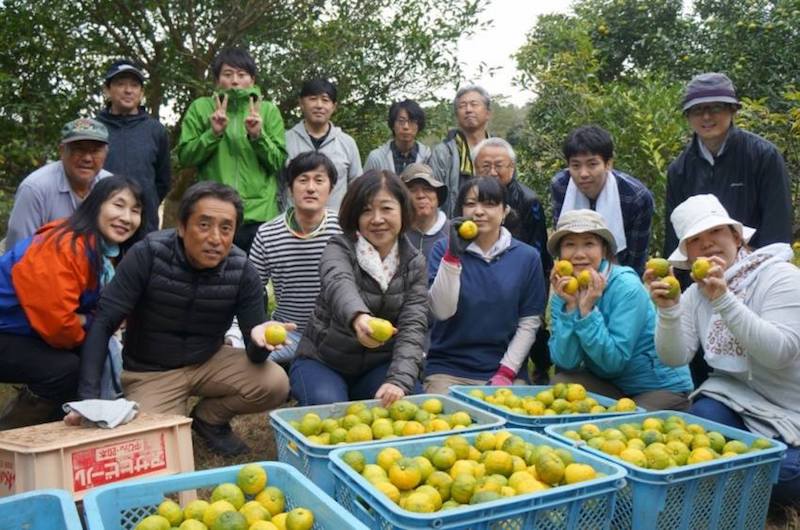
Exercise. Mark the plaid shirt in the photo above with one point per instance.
(636, 203)
(402, 160)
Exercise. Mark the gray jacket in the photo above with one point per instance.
(338, 146)
(382, 158)
(346, 291)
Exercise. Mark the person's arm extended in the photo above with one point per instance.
(676, 336)
(444, 275)
(197, 142)
(251, 311)
(117, 302)
(270, 146)
(521, 342)
(338, 288)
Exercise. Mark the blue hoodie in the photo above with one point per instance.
(615, 341)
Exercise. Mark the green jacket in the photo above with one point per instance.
(249, 166)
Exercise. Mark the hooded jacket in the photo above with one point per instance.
(251, 167)
(749, 178)
(139, 149)
(339, 147)
(346, 291)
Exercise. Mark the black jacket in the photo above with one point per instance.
(139, 148)
(530, 225)
(749, 178)
(346, 291)
(176, 315)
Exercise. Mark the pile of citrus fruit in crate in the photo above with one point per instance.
(249, 504)
(456, 473)
(569, 398)
(361, 423)
(658, 443)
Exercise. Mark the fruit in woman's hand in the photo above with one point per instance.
(659, 266)
(700, 268)
(275, 334)
(468, 230)
(584, 279)
(571, 287)
(380, 329)
(674, 287)
(564, 267)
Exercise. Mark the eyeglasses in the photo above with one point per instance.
(486, 167)
(700, 110)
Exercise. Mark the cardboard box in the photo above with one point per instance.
(77, 459)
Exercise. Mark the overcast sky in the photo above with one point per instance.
(513, 19)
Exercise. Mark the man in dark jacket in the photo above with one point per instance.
(496, 158)
(179, 290)
(745, 172)
(138, 144)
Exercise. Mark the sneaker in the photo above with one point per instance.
(220, 439)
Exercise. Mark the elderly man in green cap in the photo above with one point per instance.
(56, 189)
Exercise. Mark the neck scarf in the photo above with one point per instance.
(607, 205)
(369, 259)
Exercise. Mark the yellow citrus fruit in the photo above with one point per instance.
(254, 511)
(462, 488)
(571, 287)
(359, 433)
(761, 443)
(214, 510)
(657, 456)
(388, 489)
(444, 458)
(575, 392)
(405, 474)
(275, 334)
(734, 446)
(626, 405)
(550, 468)
(381, 428)
(380, 329)
(564, 267)
(432, 493)
(674, 286)
(300, 519)
(402, 409)
(700, 268)
(438, 425)
(462, 466)
(310, 424)
(412, 428)
(153, 522)
(259, 525)
(251, 479)
(195, 509)
(433, 405)
(498, 462)
(387, 457)
(354, 459)
(420, 502)
(659, 266)
(468, 230)
(584, 278)
(228, 492)
(578, 473)
(424, 465)
(272, 499)
(374, 473)
(230, 521)
(678, 451)
(171, 511)
(699, 455)
(442, 482)
(279, 520)
(634, 456)
(613, 447)
(194, 524)
(461, 418)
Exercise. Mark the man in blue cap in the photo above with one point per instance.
(56, 189)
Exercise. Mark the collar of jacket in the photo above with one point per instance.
(119, 120)
(733, 136)
(239, 96)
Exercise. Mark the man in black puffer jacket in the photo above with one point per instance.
(179, 291)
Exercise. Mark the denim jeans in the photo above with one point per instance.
(313, 383)
(787, 490)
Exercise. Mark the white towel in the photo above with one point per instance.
(607, 205)
(104, 413)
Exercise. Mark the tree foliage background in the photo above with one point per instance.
(622, 64)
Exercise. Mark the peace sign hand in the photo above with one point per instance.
(219, 119)
(253, 121)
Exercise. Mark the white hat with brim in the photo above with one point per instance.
(580, 222)
(694, 216)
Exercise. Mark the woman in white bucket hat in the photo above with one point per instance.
(745, 312)
(602, 335)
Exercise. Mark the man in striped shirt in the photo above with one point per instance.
(287, 250)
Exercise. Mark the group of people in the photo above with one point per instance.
(341, 245)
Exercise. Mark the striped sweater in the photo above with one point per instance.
(292, 263)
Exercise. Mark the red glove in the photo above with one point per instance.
(503, 377)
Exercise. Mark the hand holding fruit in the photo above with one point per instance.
(462, 232)
(664, 290)
(272, 335)
(388, 393)
(372, 332)
(588, 297)
(709, 274)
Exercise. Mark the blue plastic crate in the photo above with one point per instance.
(727, 493)
(49, 509)
(536, 423)
(586, 505)
(312, 458)
(122, 506)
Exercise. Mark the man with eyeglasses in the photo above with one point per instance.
(451, 160)
(57, 189)
(494, 157)
(406, 121)
(743, 170)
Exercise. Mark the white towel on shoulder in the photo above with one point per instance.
(607, 205)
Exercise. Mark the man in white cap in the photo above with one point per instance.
(56, 189)
(744, 171)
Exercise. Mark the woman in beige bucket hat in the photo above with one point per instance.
(603, 334)
(745, 312)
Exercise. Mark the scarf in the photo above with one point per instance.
(381, 270)
(607, 205)
(722, 351)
